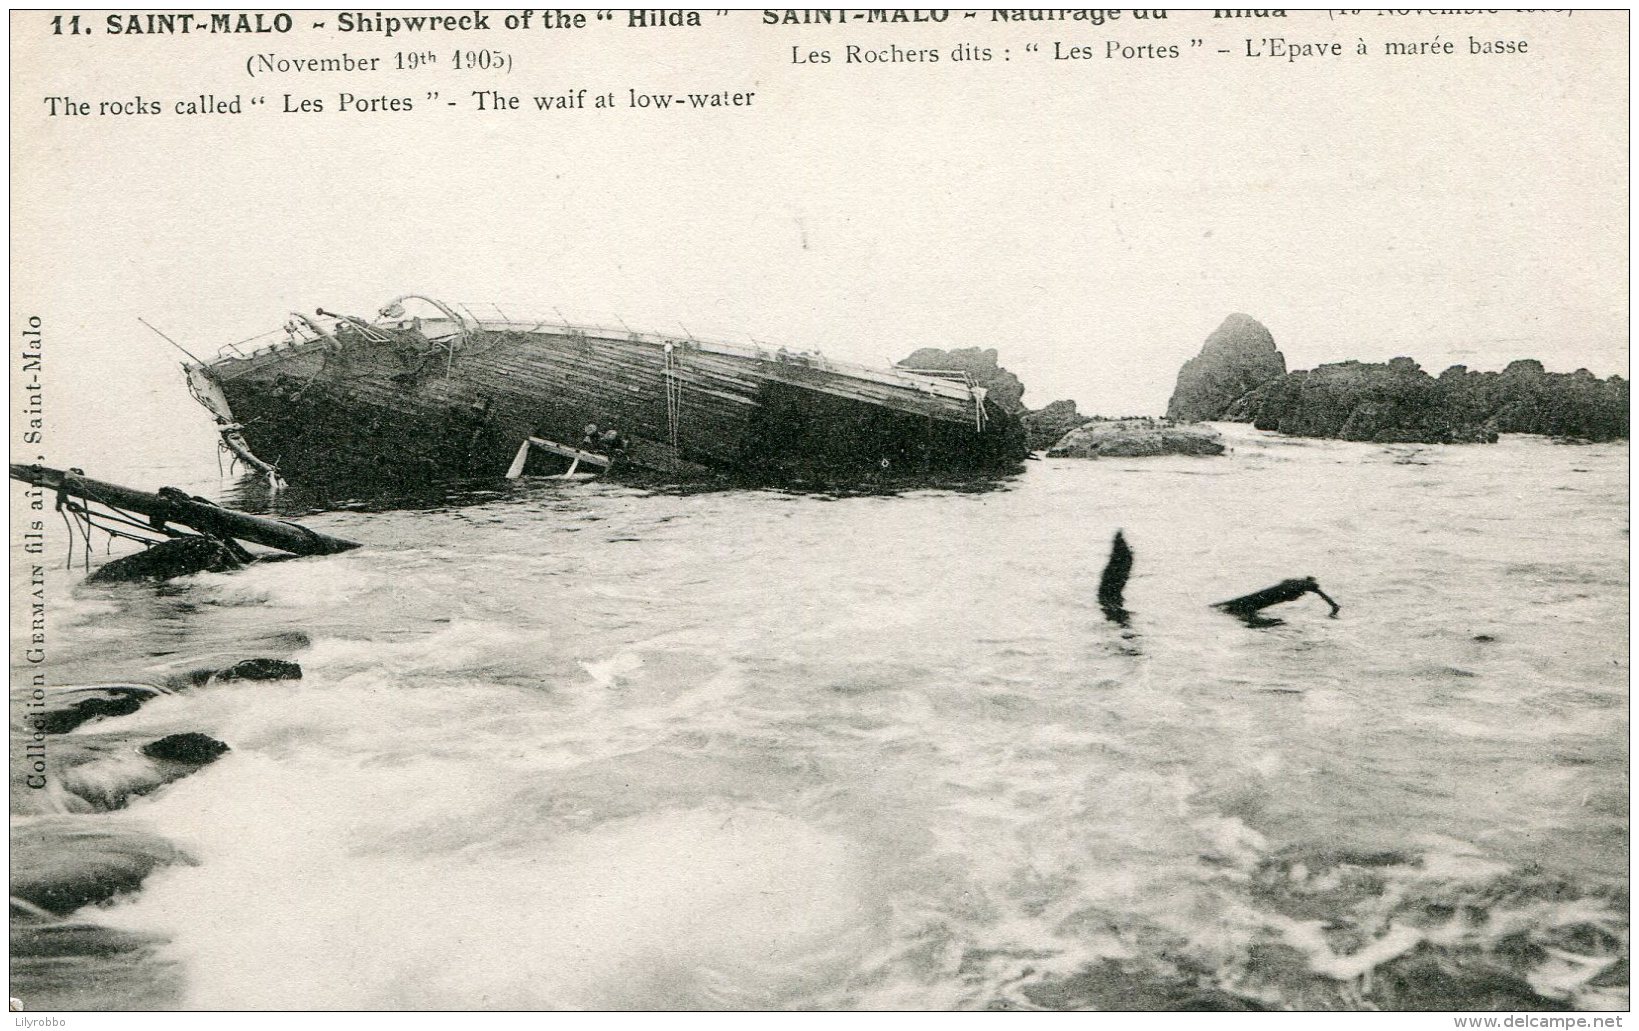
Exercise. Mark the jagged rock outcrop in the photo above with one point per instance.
(1398, 402)
(1045, 426)
(1002, 386)
(1238, 357)
(1137, 438)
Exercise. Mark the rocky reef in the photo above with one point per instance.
(1397, 402)
(69, 857)
(1137, 438)
(1001, 385)
(1240, 376)
(1238, 357)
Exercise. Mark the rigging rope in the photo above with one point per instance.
(81, 520)
(674, 396)
(71, 535)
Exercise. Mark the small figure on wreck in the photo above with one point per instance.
(1248, 607)
(611, 442)
(589, 437)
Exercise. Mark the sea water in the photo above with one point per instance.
(591, 746)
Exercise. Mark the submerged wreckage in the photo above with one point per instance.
(447, 394)
(181, 534)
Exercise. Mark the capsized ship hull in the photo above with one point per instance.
(451, 395)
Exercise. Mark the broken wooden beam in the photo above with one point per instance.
(577, 456)
(170, 505)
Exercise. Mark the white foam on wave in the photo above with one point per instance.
(293, 907)
(610, 671)
(406, 828)
(292, 584)
(459, 647)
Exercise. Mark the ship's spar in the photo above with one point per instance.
(170, 506)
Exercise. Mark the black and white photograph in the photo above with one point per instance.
(820, 510)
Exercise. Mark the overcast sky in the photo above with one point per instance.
(1093, 221)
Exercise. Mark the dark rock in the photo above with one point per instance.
(194, 748)
(167, 560)
(1399, 403)
(1044, 427)
(1001, 386)
(1238, 357)
(74, 706)
(252, 669)
(98, 773)
(1136, 438)
(61, 863)
(89, 703)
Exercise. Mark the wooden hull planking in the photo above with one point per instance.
(449, 398)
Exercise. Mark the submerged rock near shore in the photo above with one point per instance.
(99, 773)
(61, 863)
(68, 857)
(78, 705)
(1239, 356)
(1138, 438)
